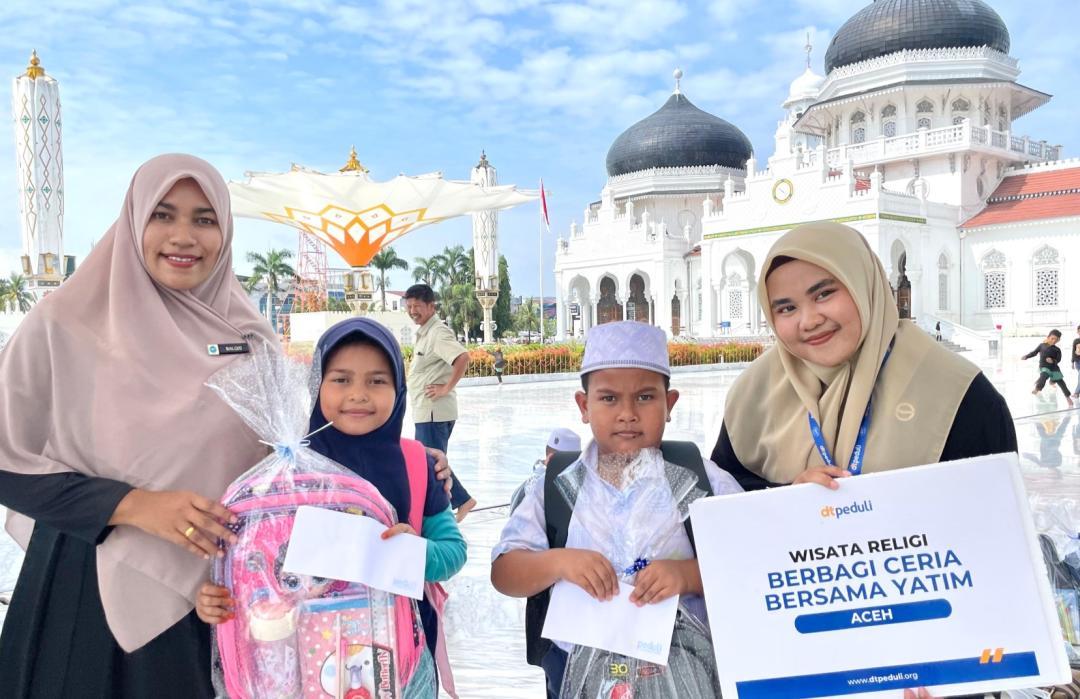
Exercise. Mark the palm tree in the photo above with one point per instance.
(527, 317)
(270, 269)
(14, 295)
(385, 260)
(425, 270)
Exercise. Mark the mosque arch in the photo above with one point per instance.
(858, 127)
(638, 304)
(924, 114)
(888, 121)
(943, 267)
(738, 306)
(579, 295)
(901, 283)
(609, 308)
(1046, 276)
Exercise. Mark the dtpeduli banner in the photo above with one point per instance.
(921, 577)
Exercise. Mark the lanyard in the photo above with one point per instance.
(859, 452)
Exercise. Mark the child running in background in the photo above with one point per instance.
(1050, 364)
(623, 485)
(361, 379)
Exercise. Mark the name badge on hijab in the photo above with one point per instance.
(225, 348)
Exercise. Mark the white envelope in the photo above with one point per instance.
(617, 625)
(342, 546)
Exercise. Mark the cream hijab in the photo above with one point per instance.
(915, 397)
(105, 378)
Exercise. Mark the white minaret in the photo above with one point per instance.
(40, 162)
(485, 232)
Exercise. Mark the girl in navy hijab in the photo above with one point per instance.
(361, 380)
(360, 377)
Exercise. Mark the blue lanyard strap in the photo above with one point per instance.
(859, 452)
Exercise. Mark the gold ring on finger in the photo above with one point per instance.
(189, 531)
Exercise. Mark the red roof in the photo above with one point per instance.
(1030, 197)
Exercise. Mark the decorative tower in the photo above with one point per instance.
(359, 281)
(40, 162)
(485, 229)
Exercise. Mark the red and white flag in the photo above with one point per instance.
(543, 205)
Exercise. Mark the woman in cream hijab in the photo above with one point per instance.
(113, 453)
(844, 357)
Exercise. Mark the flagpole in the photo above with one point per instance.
(540, 259)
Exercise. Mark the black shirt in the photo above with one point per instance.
(1049, 356)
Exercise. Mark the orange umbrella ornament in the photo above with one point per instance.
(357, 216)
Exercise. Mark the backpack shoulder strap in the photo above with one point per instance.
(687, 455)
(416, 467)
(557, 510)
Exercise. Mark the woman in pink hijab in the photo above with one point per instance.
(113, 453)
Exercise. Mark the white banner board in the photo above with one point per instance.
(928, 576)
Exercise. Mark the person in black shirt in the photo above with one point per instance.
(1050, 364)
(1076, 361)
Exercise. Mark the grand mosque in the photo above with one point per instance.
(911, 137)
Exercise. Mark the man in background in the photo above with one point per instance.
(438, 363)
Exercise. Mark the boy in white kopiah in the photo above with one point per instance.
(618, 511)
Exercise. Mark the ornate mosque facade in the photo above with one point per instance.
(909, 137)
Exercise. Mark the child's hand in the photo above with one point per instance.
(662, 579)
(590, 571)
(213, 604)
(920, 693)
(402, 528)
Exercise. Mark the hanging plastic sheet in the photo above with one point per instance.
(293, 635)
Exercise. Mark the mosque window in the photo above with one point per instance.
(993, 265)
(924, 123)
(961, 105)
(1046, 287)
(889, 111)
(735, 303)
(924, 107)
(943, 282)
(1003, 119)
(858, 127)
(697, 305)
(889, 129)
(958, 119)
(1046, 268)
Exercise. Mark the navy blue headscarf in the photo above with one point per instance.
(375, 456)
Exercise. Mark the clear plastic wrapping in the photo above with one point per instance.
(298, 636)
(636, 525)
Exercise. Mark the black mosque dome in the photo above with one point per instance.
(888, 26)
(678, 135)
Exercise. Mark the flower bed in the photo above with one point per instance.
(566, 357)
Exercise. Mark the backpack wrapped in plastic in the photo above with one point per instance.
(630, 532)
(298, 636)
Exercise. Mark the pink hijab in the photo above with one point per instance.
(105, 378)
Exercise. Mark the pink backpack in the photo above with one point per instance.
(291, 632)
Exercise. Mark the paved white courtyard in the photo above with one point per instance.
(502, 432)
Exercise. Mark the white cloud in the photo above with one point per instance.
(617, 21)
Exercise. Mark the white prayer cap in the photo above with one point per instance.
(626, 344)
(563, 439)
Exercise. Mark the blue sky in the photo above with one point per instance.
(424, 85)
